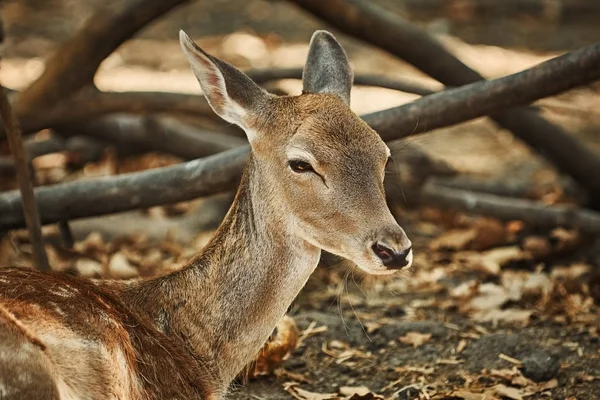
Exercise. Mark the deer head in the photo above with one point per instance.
(321, 166)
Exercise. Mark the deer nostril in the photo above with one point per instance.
(384, 253)
(391, 258)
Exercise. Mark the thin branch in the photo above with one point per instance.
(75, 64)
(369, 22)
(13, 133)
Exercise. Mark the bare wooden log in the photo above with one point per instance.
(107, 195)
(549, 10)
(160, 186)
(87, 149)
(530, 212)
(91, 103)
(367, 21)
(158, 133)
(75, 64)
(465, 102)
(486, 97)
(24, 179)
(510, 187)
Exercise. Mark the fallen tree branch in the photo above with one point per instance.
(91, 103)
(24, 179)
(166, 185)
(87, 149)
(401, 84)
(510, 187)
(530, 212)
(158, 133)
(369, 22)
(74, 65)
(107, 195)
(466, 102)
(485, 97)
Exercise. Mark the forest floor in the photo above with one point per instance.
(490, 310)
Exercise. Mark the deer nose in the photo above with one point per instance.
(392, 259)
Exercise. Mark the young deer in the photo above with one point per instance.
(314, 181)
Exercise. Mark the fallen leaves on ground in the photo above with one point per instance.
(415, 339)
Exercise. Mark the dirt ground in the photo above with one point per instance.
(491, 310)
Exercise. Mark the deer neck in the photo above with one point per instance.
(227, 301)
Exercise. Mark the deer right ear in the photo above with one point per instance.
(327, 69)
(231, 94)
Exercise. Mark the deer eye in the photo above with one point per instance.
(300, 166)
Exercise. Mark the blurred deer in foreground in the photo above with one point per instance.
(313, 181)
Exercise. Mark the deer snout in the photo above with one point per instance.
(394, 250)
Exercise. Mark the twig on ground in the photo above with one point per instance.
(29, 207)
(369, 22)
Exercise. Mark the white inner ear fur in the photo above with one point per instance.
(213, 86)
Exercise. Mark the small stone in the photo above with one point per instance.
(540, 366)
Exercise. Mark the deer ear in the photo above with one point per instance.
(327, 69)
(231, 94)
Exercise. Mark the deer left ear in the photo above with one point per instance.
(327, 69)
(231, 94)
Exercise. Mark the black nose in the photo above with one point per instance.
(391, 258)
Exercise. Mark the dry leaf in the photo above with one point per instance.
(461, 346)
(415, 339)
(509, 392)
(352, 390)
(468, 395)
(490, 233)
(492, 261)
(301, 394)
(119, 267)
(276, 350)
(88, 268)
(453, 240)
(521, 317)
(491, 296)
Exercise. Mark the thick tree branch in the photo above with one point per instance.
(107, 195)
(165, 134)
(160, 186)
(466, 102)
(486, 97)
(75, 64)
(27, 199)
(531, 212)
(91, 103)
(367, 21)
